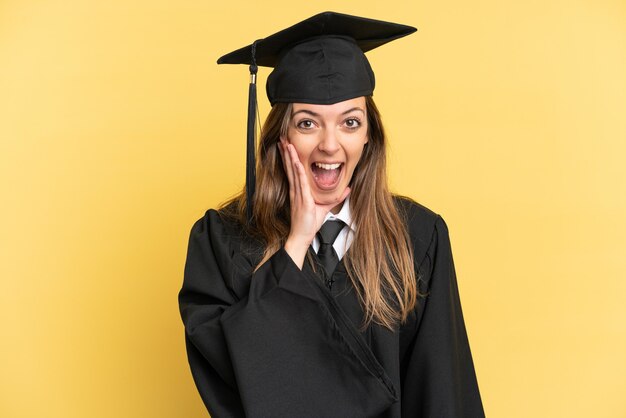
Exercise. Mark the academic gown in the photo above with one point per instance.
(278, 343)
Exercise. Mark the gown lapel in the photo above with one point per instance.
(342, 291)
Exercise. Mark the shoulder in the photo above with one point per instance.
(421, 221)
(225, 231)
(211, 234)
(217, 233)
(220, 243)
(220, 222)
(423, 225)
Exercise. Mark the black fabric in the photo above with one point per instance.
(320, 60)
(276, 342)
(324, 70)
(326, 253)
(250, 150)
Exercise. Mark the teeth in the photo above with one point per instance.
(328, 166)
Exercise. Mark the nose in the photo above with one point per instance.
(329, 142)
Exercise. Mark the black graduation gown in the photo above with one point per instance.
(279, 343)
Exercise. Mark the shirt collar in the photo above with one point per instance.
(344, 214)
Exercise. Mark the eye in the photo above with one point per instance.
(352, 123)
(305, 124)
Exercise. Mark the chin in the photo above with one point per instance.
(327, 198)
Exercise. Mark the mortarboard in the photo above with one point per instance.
(320, 60)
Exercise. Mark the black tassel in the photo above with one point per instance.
(250, 147)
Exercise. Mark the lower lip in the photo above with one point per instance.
(327, 186)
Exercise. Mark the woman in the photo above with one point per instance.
(326, 296)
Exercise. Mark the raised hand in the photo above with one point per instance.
(307, 215)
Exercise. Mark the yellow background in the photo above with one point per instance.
(118, 130)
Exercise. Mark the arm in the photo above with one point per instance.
(203, 299)
(283, 349)
(440, 381)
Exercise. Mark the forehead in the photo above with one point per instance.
(355, 104)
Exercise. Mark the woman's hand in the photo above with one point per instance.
(307, 216)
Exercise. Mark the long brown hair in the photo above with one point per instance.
(379, 261)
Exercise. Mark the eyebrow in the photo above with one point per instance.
(310, 112)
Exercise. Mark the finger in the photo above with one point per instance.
(296, 176)
(282, 146)
(304, 184)
(287, 164)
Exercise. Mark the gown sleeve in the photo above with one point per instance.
(282, 349)
(439, 376)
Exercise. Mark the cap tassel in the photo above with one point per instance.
(251, 137)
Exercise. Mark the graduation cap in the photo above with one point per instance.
(320, 60)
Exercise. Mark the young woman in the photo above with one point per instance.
(324, 295)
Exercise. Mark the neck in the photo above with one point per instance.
(337, 208)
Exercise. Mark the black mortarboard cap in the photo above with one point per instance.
(320, 60)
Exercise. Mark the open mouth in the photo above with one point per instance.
(326, 176)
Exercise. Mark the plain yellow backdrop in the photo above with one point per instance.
(118, 130)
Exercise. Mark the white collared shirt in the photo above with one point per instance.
(345, 237)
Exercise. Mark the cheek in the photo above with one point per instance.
(302, 149)
(302, 155)
(357, 153)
